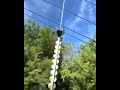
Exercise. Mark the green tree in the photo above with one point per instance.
(38, 51)
(81, 73)
(75, 72)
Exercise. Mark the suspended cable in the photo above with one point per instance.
(61, 25)
(90, 2)
(70, 12)
(55, 28)
(75, 38)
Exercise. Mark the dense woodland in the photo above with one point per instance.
(77, 71)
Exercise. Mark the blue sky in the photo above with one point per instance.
(79, 7)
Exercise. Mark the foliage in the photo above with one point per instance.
(38, 51)
(81, 73)
(75, 72)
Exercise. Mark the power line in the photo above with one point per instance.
(61, 25)
(55, 28)
(40, 15)
(70, 12)
(75, 37)
(38, 20)
(90, 2)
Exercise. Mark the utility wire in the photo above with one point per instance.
(38, 20)
(75, 38)
(64, 32)
(70, 12)
(61, 25)
(90, 2)
(55, 28)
